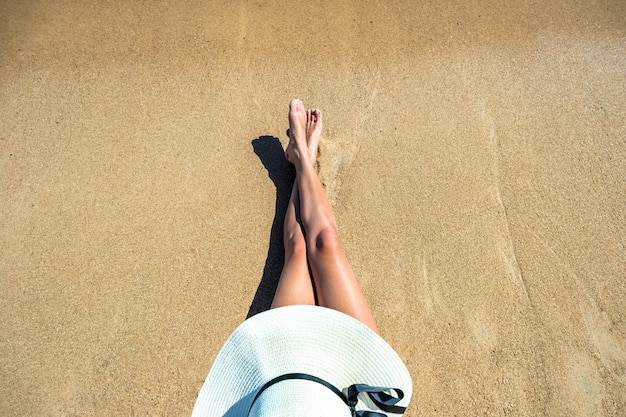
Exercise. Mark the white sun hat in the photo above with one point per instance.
(304, 361)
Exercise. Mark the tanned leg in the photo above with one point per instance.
(335, 282)
(295, 285)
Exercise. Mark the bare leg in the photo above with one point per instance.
(295, 285)
(334, 279)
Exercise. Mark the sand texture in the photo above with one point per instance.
(474, 151)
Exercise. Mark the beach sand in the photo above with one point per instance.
(474, 152)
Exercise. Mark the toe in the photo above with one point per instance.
(294, 103)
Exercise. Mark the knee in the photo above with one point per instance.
(295, 243)
(327, 241)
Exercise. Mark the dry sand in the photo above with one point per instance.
(475, 153)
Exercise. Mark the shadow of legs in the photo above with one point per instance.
(281, 172)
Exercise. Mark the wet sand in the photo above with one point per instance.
(474, 153)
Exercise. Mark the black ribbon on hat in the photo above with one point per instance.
(379, 396)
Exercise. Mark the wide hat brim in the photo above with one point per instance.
(310, 340)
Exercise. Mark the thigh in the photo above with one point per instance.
(295, 286)
(337, 286)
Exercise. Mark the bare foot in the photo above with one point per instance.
(297, 147)
(313, 132)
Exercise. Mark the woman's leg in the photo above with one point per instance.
(335, 282)
(295, 285)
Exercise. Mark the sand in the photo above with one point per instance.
(474, 152)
